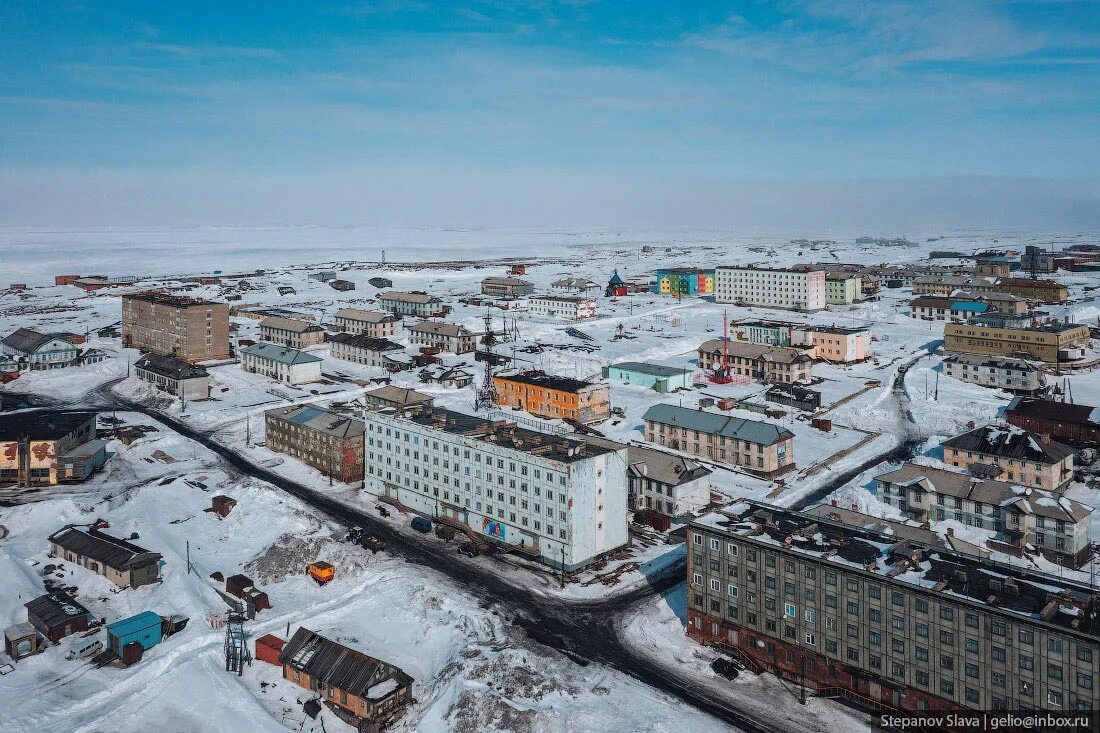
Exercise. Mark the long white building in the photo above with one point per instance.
(561, 499)
(802, 290)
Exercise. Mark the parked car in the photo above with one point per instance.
(383, 510)
(469, 549)
(444, 532)
(420, 524)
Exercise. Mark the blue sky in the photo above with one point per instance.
(178, 97)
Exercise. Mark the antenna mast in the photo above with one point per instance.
(487, 396)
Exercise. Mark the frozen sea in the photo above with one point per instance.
(35, 254)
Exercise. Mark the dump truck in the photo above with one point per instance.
(322, 572)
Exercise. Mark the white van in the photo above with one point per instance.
(85, 648)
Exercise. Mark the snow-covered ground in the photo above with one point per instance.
(473, 671)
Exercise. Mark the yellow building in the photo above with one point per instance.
(1051, 343)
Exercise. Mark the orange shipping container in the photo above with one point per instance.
(268, 648)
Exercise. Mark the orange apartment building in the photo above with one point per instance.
(554, 398)
(174, 325)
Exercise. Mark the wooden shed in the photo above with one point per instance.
(222, 505)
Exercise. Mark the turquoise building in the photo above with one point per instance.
(655, 376)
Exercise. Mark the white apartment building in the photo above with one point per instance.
(802, 290)
(449, 337)
(376, 324)
(560, 499)
(572, 308)
(999, 372)
(281, 363)
(364, 350)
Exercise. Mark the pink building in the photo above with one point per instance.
(840, 345)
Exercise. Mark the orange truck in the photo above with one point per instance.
(322, 572)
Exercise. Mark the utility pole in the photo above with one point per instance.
(802, 692)
(563, 566)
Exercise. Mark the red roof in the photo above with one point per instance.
(271, 641)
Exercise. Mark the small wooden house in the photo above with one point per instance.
(57, 615)
(349, 681)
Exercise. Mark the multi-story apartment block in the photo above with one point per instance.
(411, 304)
(577, 285)
(330, 442)
(376, 352)
(554, 398)
(1013, 375)
(1018, 517)
(768, 364)
(375, 324)
(945, 285)
(449, 337)
(557, 499)
(391, 395)
(843, 288)
(1050, 343)
(290, 332)
(685, 281)
(1013, 455)
(506, 287)
(1044, 291)
(837, 344)
(802, 290)
(758, 447)
(174, 376)
(192, 329)
(1036, 259)
(1076, 424)
(941, 308)
(906, 624)
(999, 302)
(286, 365)
(765, 333)
(572, 308)
(666, 483)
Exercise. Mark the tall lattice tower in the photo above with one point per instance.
(487, 394)
(236, 646)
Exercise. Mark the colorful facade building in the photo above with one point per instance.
(687, 281)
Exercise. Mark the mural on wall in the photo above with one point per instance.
(493, 528)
